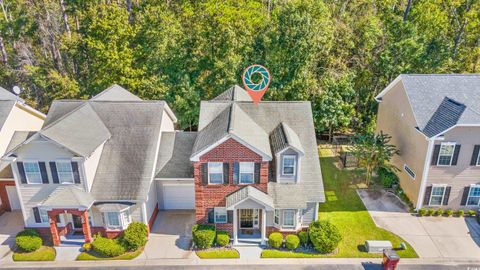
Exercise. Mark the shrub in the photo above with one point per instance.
(203, 235)
(387, 177)
(324, 236)
(303, 236)
(107, 247)
(223, 238)
(28, 240)
(275, 239)
(135, 235)
(440, 212)
(430, 212)
(449, 212)
(460, 213)
(422, 212)
(292, 241)
(87, 246)
(471, 213)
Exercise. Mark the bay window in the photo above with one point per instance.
(117, 220)
(247, 172)
(288, 218)
(215, 172)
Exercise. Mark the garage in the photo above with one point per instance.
(178, 196)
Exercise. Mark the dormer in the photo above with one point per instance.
(288, 153)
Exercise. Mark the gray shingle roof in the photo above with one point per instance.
(234, 93)
(68, 197)
(6, 107)
(440, 101)
(7, 95)
(282, 137)
(248, 192)
(174, 155)
(116, 93)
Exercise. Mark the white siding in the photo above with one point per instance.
(136, 212)
(309, 213)
(90, 166)
(152, 199)
(167, 123)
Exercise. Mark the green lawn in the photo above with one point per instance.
(273, 253)
(218, 254)
(92, 256)
(44, 253)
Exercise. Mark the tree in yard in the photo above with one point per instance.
(374, 151)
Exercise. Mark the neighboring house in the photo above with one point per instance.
(256, 167)
(15, 115)
(434, 121)
(91, 167)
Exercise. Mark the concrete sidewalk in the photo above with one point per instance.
(10, 224)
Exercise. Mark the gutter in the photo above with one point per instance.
(426, 168)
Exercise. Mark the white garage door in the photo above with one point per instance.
(13, 197)
(179, 196)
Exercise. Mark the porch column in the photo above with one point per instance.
(235, 225)
(53, 229)
(264, 226)
(86, 227)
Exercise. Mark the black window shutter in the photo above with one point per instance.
(53, 170)
(476, 149)
(21, 171)
(466, 190)
(76, 174)
(455, 154)
(257, 173)
(36, 214)
(446, 197)
(236, 172)
(428, 192)
(204, 172)
(230, 216)
(43, 172)
(436, 152)
(226, 173)
(210, 215)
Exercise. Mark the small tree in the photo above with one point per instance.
(374, 151)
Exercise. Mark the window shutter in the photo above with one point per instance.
(21, 171)
(466, 190)
(257, 172)
(455, 154)
(204, 173)
(43, 172)
(428, 192)
(210, 215)
(436, 152)
(447, 195)
(36, 214)
(53, 170)
(236, 172)
(476, 149)
(226, 173)
(230, 216)
(76, 175)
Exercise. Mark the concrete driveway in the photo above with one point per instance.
(10, 224)
(431, 237)
(171, 235)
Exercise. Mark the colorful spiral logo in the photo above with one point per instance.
(251, 85)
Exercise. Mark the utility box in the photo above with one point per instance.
(390, 259)
(374, 246)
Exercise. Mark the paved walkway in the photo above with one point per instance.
(10, 224)
(67, 253)
(431, 237)
(249, 252)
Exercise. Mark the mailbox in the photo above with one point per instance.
(390, 259)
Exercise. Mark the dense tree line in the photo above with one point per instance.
(337, 54)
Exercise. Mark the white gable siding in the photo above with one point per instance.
(90, 166)
(43, 150)
(167, 122)
(308, 214)
(152, 199)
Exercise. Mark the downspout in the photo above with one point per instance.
(426, 168)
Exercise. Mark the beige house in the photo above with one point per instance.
(434, 121)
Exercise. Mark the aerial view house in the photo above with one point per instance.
(15, 115)
(434, 121)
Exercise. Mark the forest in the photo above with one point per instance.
(338, 54)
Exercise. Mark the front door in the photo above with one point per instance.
(77, 222)
(249, 219)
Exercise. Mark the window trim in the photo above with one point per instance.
(109, 225)
(478, 159)
(443, 195)
(221, 211)
(468, 197)
(276, 217)
(294, 165)
(42, 214)
(409, 171)
(58, 173)
(26, 173)
(294, 218)
(210, 172)
(454, 144)
(240, 173)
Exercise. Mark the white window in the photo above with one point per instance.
(215, 173)
(64, 172)
(32, 172)
(126, 218)
(43, 216)
(408, 171)
(247, 172)
(436, 198)
(113, 219)
(288, 165)
(474, 195)
(276, 217)
(446, 154)
(288, 218)
(220, 215)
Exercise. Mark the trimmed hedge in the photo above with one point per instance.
(203, 235)
(292, 241)
(440, 212)
(135, 236)
(275, 239)
(28, 240)
(223, 238)
(422, 212)
(108, 247)
(324, 236)
(304, 239)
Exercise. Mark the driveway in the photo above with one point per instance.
(431, 237)
(171, 235)
(10, 224)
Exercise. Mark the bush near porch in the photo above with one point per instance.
(29, 247)
(212, 244)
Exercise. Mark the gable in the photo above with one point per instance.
(230, 149)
